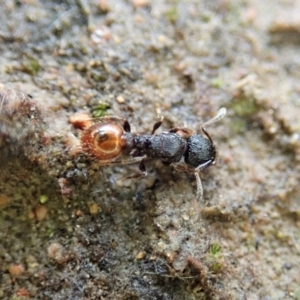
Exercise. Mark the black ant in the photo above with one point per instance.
(110, 139)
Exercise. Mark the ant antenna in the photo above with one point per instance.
(220, 115)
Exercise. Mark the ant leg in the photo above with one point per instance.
(143, 170)
(182, 167)
(127, 161)
(183, 132)
(199, 194)
(157, 125)
(126, 126)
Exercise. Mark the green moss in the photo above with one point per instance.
(30, 66)
(172, 14)
(205, 18)
(215, 249)
(214, 258)
(245, 107)
(43, 199)
(217, 83)
(238, 125)
(297, 295)
(100, 110)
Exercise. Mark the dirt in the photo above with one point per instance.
(73, 229)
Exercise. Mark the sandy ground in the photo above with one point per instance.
(72, 229)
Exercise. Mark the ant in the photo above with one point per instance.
(111, 141)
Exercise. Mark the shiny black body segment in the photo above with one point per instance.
(168, 147)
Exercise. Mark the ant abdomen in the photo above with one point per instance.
(104, 141)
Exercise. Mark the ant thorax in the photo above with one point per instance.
(166, 146)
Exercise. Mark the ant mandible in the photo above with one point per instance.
(111, 141)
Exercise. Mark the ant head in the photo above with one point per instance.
(200, 152)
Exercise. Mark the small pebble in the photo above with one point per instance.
(141, 255)
(16, 270)
(40, 212)
(94, 209)
(4, 200)
(55, 252)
